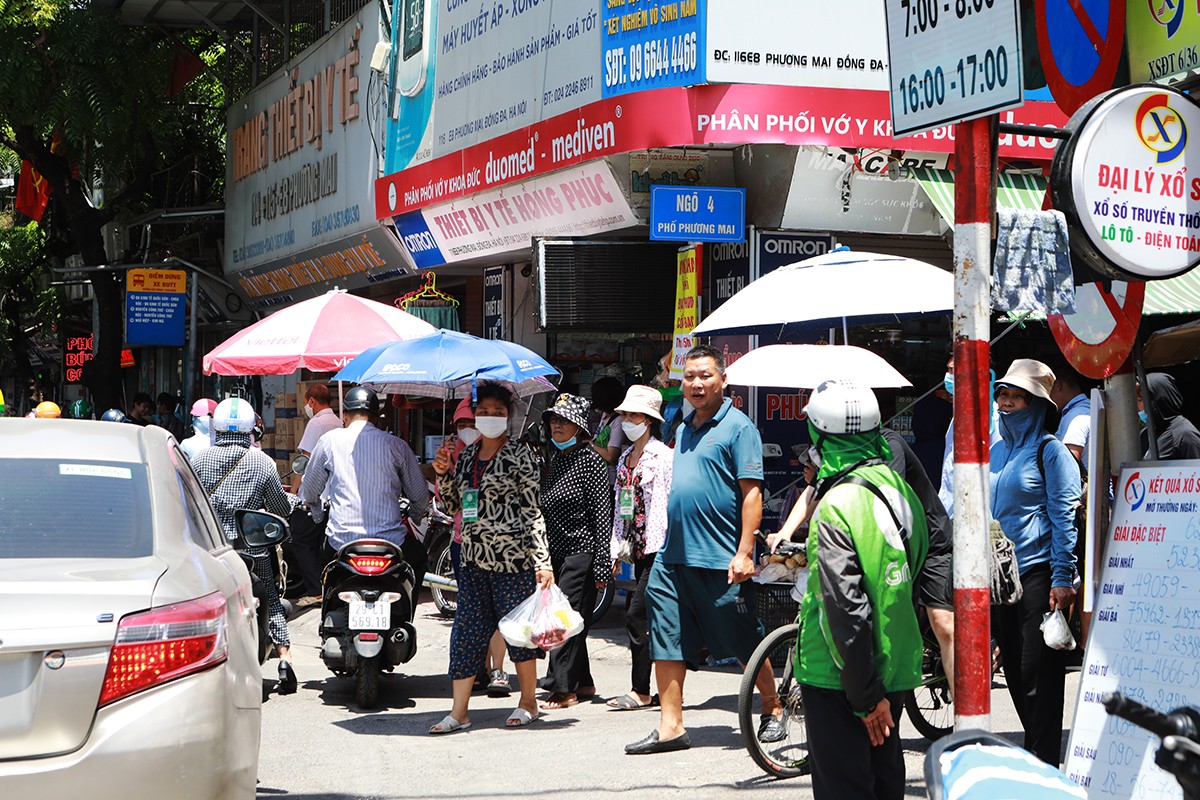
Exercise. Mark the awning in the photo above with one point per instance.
(1013, 190)
(1174, 296)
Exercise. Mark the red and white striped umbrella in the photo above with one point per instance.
(321, 334)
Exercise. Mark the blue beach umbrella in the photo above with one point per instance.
(448, 364)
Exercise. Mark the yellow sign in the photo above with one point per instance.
(165, 281)
(687, 305)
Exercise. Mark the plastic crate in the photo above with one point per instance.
(776, 608)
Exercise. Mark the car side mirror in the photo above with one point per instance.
(299, 464)
(259, 528)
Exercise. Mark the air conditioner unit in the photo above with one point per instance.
(116, 241)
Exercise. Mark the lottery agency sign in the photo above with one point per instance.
(154, 307)
(1128, 181)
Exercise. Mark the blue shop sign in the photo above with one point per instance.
(697, 214)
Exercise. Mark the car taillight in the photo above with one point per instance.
(370, 565)
(162, 644)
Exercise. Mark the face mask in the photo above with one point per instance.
(815, 456)
(308, 412)
(201, 424)
(564, 445)
(1142, 416)
(948, 384)
(634, 431)
(491, 427)
(468, 436)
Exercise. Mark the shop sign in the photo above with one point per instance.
(155, 306)
(575, 202)
(493, 303)
(301, 165)
(767, 47)
(1163, 38)
(374, 255)
(697, 214)
(727, 271)
(78, 351)
(1127, 182)
(952, 61)
(687, 306)
(679, 117)
(651, 45)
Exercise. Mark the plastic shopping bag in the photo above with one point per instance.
(1056, 632)
(556, 621)
(517, 625)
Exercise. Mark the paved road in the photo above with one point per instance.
(317, 745)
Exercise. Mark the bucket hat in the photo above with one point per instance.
(1032, 376)
(464, 410)
(642, 400)
(572, 408)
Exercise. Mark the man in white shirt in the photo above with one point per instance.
(1075, 426)
(321, 420)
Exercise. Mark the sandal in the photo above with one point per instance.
(771, 729)
(560, 700)
(519, 718)
(629, 702)
(449, 725)
(499, 685)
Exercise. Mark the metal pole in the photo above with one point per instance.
(1120, 400)
(974, 209)
(190, 385)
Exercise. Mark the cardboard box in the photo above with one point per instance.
(285, 400)
(268, 442)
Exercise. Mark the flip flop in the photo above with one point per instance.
(560, 700)
(519, 718)
(628, 702)
(449, 725)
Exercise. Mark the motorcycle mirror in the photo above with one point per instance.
(259, 528)
(299, 464)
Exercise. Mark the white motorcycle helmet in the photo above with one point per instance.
(843, 407)
(233, 415)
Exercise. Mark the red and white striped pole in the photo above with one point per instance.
(974, 210)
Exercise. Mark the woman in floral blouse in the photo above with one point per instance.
(640, 523)
(504, 553)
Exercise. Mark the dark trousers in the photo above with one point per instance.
(1035, 673)
(844, 764)
(308, 549)
(568, 668)
(638, 627)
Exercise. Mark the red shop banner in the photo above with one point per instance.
(681, 117)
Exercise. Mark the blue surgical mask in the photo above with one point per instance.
(948, 384)
(1142, 416)
(564, 445)
(200, 424)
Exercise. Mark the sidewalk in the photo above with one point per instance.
(570, 752)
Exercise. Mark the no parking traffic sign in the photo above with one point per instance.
(1099, 336)
(1080, 42)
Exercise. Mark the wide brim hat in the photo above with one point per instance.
(572, 408)
(642, 400)
(1030, 375)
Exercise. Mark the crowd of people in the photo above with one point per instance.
(607, 490)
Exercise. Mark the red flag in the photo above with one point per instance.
(185, 65)
(33, 193)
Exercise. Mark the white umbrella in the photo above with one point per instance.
(806, 366)
(841, 285)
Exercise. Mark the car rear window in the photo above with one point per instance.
(52, 508)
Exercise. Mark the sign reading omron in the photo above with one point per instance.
(697, 214)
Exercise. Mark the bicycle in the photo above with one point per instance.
(929, 706)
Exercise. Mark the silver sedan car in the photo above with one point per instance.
(128, 637)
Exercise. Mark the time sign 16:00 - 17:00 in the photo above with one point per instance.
(973, 74)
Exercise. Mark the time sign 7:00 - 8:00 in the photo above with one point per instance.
(951, 60)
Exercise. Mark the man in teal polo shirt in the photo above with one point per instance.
(697, 594)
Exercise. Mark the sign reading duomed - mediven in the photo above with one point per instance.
(301, 167)
(1128, 181)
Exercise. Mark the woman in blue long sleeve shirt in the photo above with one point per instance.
(1035, 506)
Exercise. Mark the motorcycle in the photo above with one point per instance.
(259, 530)
(367, 611)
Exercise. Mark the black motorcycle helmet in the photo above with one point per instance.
(360, 398)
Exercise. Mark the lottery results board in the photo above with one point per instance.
(1145, 635)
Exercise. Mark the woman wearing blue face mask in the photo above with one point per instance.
(577, 502)
(1035, 487)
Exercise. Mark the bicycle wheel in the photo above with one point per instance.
(787, 757)
(446, 600)
(930, 706)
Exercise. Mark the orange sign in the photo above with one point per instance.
(167, 281)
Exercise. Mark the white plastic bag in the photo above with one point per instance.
(545, 619)
(1056, 632)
